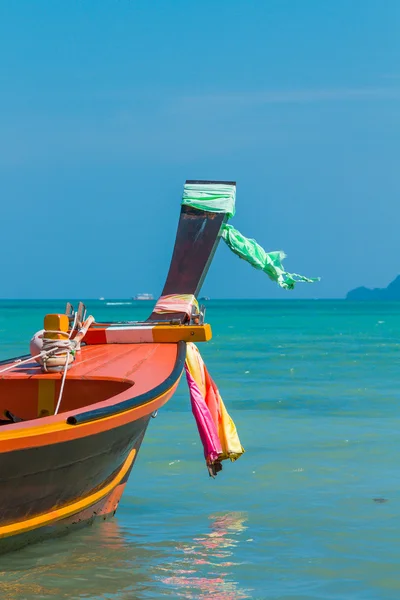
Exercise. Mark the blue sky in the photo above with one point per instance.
(107, 107)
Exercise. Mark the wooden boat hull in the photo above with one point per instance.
(64, 471)
(38, 479)
(94, 507)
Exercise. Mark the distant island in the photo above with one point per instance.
(391, 292)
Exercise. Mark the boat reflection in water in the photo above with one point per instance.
(100, 562)
(204, 572)
(112, 560)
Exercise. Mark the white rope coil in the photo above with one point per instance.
(56, 354)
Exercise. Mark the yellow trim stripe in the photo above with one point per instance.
(62, 425)
(46, 394)
(70, 509)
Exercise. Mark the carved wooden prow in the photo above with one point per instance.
(196, 241)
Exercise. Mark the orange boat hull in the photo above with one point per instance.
(60, 472)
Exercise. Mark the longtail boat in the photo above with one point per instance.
(76, 409)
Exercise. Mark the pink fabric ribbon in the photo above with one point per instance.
(216, 429)
(205, 424)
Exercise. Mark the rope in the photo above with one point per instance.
(52, 348)
(70, 346)
(49, 350)
(19, 362)
(62, 384)
(66, 366)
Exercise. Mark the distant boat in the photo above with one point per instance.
(143, 297)
(204, 298)
(101, 298)
(118, 303)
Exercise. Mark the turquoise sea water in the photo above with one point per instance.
(311, 511)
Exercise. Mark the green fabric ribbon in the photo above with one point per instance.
(216, 197)
(269, 262)
(220, 198)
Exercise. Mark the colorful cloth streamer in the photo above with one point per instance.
(216, 429)
(176, 303)
(269, 262)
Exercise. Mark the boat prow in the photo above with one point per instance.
(70, 438)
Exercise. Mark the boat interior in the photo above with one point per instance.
(114, 372)
(27, 399)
